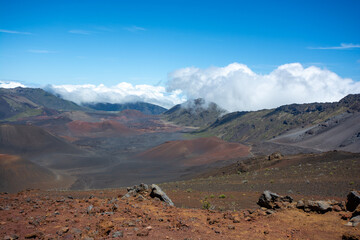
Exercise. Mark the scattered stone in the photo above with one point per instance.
(354, 221)
(33, 235)
(12, 237)
(88, 210)
(231, 227)
(300, 204)
(353, 200)
(76, 231)
(105, 227)
(62, 231)
(269, 212)
(118, 234)
(336, 208)
(144, 232)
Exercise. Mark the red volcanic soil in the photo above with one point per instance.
(107, 128)
(17, 173)
(65, 215)
(196, 152)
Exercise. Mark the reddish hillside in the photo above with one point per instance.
(22, 139)
(17, 174)
(106, 128)
(196, 152)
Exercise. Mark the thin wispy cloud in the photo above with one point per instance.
(134, 29)
(341, 47)
(78, 31)
(14, 32)
(40, 51)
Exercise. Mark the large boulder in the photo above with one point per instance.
(272, 200)
(156, 192)
(353, 200)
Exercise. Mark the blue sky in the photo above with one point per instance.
(141, 42)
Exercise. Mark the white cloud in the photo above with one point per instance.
(10, 84)
(78, 31)
(120, 93)
(40, 51)
(341, 47)
(236, 87)
(134, 29)
(14, 32)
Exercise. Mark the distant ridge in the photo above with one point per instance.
(146, 108)
(197, 113)
(20, 102)
(255, 126)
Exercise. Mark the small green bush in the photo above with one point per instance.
(222, 196)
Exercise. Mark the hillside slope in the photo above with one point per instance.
(267, 124)
(341, 132)
(17, 174)
(24, 139)
(19, 103)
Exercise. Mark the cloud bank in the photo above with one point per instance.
(234, 87)
(237, 88)
(10, 84)
(120, 93)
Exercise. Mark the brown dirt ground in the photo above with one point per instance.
(53, 215)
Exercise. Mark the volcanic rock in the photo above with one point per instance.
(141, 191)
(156, 192)
(272, 200)
(136, 190)
(353, 200)
(319, 206)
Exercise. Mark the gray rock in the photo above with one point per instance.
(318, 206)
(355, 221)
(88, 210)
(324, 206)
(118, 234)
(300, 204)
(156, 192)
(353, 200)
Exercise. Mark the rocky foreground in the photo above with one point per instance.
(145, 212)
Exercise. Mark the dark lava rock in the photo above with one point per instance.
(353, 200)
(272, 200)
